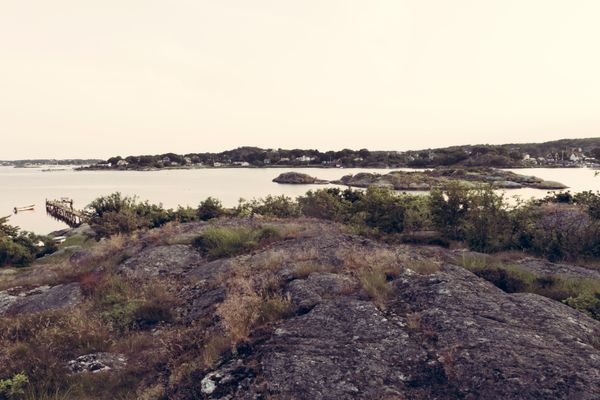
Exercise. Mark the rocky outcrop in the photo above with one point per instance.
(42, 298)
(549, 185)
(445, 336)
(97, 362)
(297, 178)
(408, 333)
(307, 293)
(154, 261)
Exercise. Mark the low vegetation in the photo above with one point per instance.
(220, 242)
(582, 294)
(19, 248)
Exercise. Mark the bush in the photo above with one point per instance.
(115, 213)
(226, 242)
(19, 248)
(327, 204)
(382, 209)
(13, 388)
(586, 302)
(486, 223)
(449, 209)
(209, 209)
(564, 232)
(275, 206)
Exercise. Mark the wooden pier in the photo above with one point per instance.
(63, 211)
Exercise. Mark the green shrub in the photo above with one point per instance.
(19, 248)
(587, 302)
(13, 388)
(209, 209)
(486, 223)
(449, 208)
(275, 206)
(327, 204)
(115, 213)
(219, 242)
(381, 209)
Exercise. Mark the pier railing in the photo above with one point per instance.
(63, 211)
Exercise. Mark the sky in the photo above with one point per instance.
(118, 77)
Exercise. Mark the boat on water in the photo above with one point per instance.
(25, 208)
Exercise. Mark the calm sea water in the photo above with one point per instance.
(22, 187)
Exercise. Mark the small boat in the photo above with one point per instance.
(26, 208)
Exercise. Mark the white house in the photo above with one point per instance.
(305, 159)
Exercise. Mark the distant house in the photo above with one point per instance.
(526, 157)
(217, 164)
(266, 161)
(284, 159)
(187, 160)
(241, 163)
(575, 157)
(305, 159)
(122, 163)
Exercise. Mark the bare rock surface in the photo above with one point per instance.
(43, 298)
(154, 261)
(97, 362)
(306, 293)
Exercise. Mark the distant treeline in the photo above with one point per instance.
(509, 155)
(22, 163)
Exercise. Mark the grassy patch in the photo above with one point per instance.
(126, 307)
(375, 284)
(275, 308)
(220, 242)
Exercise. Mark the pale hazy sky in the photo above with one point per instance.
(101, 78)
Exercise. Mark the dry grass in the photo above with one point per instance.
(375, 285)
(214, 347)
(274, 308)
(304, 269)
(356, 259)
(272, 260)
(241, 309)
(423, 267)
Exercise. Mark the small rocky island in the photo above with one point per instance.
(429, 179)
(297, 178)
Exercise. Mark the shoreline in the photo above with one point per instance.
(320, 167)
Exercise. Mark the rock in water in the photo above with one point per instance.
(297, 178)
